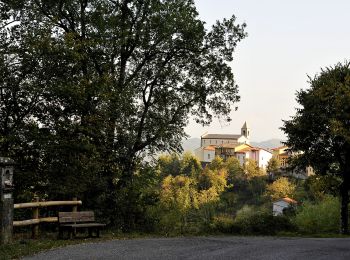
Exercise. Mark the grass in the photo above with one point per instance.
(24, 246)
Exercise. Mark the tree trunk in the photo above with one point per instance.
(344, 213)
(344, 193)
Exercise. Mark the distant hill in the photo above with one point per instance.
(193, 143)
(268, 144)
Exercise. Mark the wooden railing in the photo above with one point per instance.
(36, 220)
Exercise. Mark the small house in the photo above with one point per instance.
(282, 204)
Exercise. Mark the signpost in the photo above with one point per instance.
(6, 200)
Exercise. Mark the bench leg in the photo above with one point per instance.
(98, 232)
(60, 233)
(90, 232)
(70, 233)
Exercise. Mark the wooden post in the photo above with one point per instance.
(75, 207)
(35, 228)
(6, 200)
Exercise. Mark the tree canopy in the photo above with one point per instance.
(91, 87)
(319, 132)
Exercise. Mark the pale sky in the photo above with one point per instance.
(287, 40)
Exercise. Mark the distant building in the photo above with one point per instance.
(206, 151)
(283, 155)
(231, 145)
(280, 205)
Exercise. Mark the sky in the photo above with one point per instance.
(287, 41)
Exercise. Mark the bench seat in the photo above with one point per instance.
(71, 221)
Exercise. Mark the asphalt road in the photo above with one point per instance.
(207, 248)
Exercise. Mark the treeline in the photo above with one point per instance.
(229, 198)
(90, 88)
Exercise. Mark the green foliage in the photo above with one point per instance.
(169, 165)
(273, 165)
(178, 196)
(320, 217)
(223, 223)
(251, 220)
(216, 179)
(188, 201)
(217, 163)
(319, 132)
(89, 88)
(280, 188)
(190, 165)
(234, 170)
(174, 165)
(319, 186)
(252, 170)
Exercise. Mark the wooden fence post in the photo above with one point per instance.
(35, 228)
(75, 207)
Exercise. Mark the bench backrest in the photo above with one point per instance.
(76, 217)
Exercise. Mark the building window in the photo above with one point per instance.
(216, 141)
(208, 155)
(209, 141)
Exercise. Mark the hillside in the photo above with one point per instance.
(268, 144)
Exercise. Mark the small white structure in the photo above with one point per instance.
(281, 204)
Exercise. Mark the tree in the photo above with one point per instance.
(190, 165)
(235, 173)
(319, 132)
(273, 165)
(280, 188)
(252, 170)
(178, 196)
(169, 165)
(217, 163)
(120, 80)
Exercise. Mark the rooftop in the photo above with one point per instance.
(279, 148)
(220, 136)
(288, 200)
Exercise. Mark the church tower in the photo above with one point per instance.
(245, 130)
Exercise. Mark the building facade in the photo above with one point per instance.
(231, 145)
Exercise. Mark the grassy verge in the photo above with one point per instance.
(23, 246)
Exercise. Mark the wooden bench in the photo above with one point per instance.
(71, 221)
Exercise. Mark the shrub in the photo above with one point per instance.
(250, 220)
(223, 223)
(322, 217)
(280, 188)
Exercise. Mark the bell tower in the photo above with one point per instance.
(245, 130)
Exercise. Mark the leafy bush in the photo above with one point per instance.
(322, 217)
(223, 223)
(250, 220)
(280, 188)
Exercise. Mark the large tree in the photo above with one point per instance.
(320, 131)
(118, 80)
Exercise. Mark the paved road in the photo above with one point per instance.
(207, 248)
